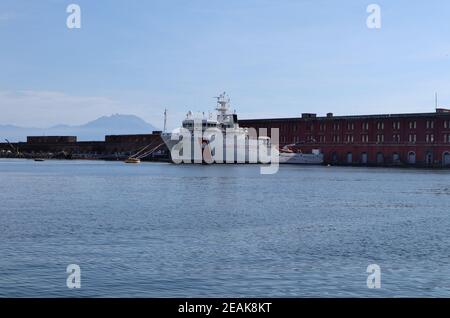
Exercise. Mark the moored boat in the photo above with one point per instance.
(132, 160)
(291, 154)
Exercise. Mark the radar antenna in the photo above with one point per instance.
(165, 119)
(223, 103)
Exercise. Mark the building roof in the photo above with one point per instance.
(445, 113)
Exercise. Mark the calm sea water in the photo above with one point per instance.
(163, 230)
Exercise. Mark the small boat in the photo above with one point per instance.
(293, 154)
(132, 160)
(39, 159)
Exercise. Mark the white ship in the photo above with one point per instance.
(297, 157)
(239, 145)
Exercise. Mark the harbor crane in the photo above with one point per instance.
(12, 147)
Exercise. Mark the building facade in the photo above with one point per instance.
(420, 139)
(51, 139)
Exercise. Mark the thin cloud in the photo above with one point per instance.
(46, 108)
(7, 16)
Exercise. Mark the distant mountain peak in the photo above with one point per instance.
(115, 124)
(123, 120)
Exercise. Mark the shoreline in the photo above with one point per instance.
(165, 160)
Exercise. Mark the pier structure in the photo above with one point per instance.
(114, 147)
(416, 139)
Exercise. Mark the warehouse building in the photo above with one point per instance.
(420, 139)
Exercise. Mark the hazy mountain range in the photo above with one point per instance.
(93, 130)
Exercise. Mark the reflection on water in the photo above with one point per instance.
(166, 230)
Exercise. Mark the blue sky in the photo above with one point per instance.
(275, 58)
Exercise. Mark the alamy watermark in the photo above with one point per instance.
(374, 19)
(200, 144)
(374, 277)
(74, 19)
(74, 277)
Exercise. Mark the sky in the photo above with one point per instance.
(275, 58)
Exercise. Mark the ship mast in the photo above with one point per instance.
(165, 119)
(223, 102)
(436, 100)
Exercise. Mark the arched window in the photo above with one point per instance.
(349, 158)
(334, 157)
(429, 158)
(446, 159)
(364, 159)
(411, 157)
(395, 158)
(380, 158)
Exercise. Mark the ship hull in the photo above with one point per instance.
(245, 153)
(301, 158)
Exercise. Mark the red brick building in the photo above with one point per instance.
(51, 139)
(420, 139)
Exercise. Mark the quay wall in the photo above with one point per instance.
(114, 146)
(418, 139)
